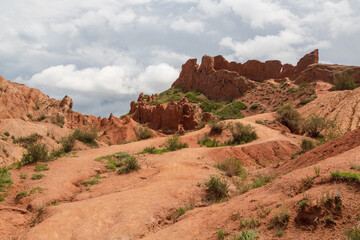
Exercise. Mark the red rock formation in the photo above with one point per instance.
(169, 116)
(221, 84)
(219, 79)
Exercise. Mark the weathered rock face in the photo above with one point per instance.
(221, 84)
(169, 116)
(219, 79)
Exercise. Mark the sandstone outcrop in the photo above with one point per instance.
(169, 116)
(219, 79)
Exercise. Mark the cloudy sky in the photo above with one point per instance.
(103, 53)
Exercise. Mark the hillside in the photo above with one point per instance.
(236, 171)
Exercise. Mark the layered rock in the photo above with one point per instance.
(219, 79)
(169, 116)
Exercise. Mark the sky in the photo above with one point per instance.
(103, 53)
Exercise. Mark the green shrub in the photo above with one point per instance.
(35, 152)
(58, 119)
(232, 167)
(207, 142)
(242, 134)
(87, 136)
(5, 179)
(153, 150)
(306, 145)
(232, 110)
(261, 180)
(314, 125)
(173, 143)
(20, 195)
(344, 82)
(216, 189)
(142, 133)
(67, 143)
(37, 176)
(216, 128)
(355, 167)
(7, 134)
(23, 176)
(130, 165)
(289, 116)
(29, 140)
(210, 107)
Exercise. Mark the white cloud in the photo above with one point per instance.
(169, 55)
(188, 26)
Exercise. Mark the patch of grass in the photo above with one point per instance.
(232, 167)
(207, 142)
(23, 176)
(41, 167)
(247, 235)
(37, 176)
(306, 145)
(173, 143)
(172, 94)
(344, 81)
(353, 234)
(5, 179)
(261, 180)
(304, 100)
(39, 216)
(7, 134)
(210, 107)
(20, 195)
(86, 135)
(121, 161)
(182, 210)
(221, 234)
(346, 176)
(303, 203)
(216, 189)
(93, 181)
(36, 190)
(242, 134)
(280, 220)
(232, 110)
(40, 118)
(142, 133)
(251, 223)
(35, 152)
(263, 212)
(153, 150)
(317, 171)
(289, 116)
(355, 167)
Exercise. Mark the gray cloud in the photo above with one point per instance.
(103, 53)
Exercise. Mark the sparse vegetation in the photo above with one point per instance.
(41, 167)
(130, 165)
(173, 143)
(58, 119)
(93, 181)
(35, 152)
(353, 234)
(153, 150)
(142, 133)
(344, 81)
(23, 176)
(86, 135)
(242, 134)
(67, 143)
(346, 177)
(29, 140)
(247, 235)
(232, 167)
(280, 220)
(216, 127)
(289, 116)
(5, 179)
(221, 234)
(35, 190)
(355, 167)
(306, 145)
(20, 195)
(314, 125)
(232, 110)
(216, 189)
(207, 142)
(261, 180)
(7, 134)
(39, 216)
(37, 176)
